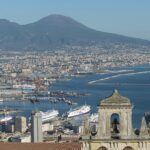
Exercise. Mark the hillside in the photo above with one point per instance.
(55, 31)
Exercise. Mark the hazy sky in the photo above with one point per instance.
(127, 17)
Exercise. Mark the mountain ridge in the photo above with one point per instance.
(57, 30)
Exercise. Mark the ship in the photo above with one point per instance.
(24, 86)
(5, 119)
(84, 72)
(1, 99)
(49, 115)
(79, 111)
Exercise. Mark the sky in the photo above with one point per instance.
(126, 17)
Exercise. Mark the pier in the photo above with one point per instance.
(9, 111)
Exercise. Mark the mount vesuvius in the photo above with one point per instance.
(55, 31)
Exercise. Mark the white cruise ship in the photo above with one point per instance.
(5, 119)
(49, 115)
(24, 86)
(79, 111)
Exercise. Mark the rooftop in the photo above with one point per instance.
(115, 99)
(40, 146)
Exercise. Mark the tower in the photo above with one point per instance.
(36, 127)
(115, 117)
(115, 130)
(20, 124)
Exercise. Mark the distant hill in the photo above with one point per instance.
(55, 31)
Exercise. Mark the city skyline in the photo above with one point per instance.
(74, 75)
(126, 18)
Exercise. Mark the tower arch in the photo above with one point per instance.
(128, 148)
(115, 125)
(121, 125)
(102, 148)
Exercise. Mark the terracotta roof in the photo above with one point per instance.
(40, 146)
(115, 99)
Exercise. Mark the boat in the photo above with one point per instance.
(34, 100)
(24, 86)
(5, 119)
(1, 99)
(79, 111)
(49, 115)
(84, 72)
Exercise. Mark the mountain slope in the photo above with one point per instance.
(56, 30)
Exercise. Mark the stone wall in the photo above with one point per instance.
(116, 145)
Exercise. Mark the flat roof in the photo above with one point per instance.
(40, 146)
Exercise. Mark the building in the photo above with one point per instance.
(36, 127)
(40, 146)
(115, 130)
(47, 127)
(21, 139)
(10, 128)
(20, 124)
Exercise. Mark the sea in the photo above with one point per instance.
(132, 82)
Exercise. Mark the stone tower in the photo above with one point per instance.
(115, 118)
(36, 127)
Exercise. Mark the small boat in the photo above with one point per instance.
(34, 100)
(1, 99)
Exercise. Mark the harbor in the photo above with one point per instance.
(68, 101)
(74, 75)
(65, 95)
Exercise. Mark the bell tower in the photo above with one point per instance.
(115, 118)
